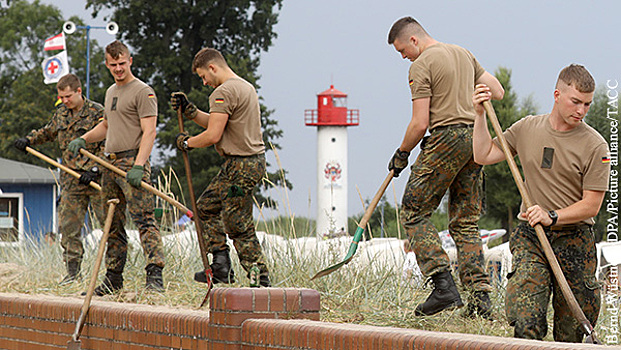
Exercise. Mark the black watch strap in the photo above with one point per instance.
(554, 216)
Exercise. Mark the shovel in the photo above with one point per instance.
(360, 230)
(60, 166)
(197, 220)
(541, 235)
(75, 343)
(143, 184)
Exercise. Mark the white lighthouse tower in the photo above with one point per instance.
(331, 119)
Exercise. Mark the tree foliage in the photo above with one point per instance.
(165, 36)
(597, 118)
(26, 102)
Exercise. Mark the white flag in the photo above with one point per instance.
(57, 42)
(55, 67)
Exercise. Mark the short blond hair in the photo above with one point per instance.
(206, 56)
(116, 49)
(69, 80)
(577, 76)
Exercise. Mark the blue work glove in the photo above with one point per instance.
(134, 175)
(398, 162)
(75, 145)
(21, 144)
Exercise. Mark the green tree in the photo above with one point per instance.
(502, 199)
(27, 103)
(598, 119)
(165, 35)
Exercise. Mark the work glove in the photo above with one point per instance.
(134, 175)
(182, 142)
(21, 144)
(398, 162)
(180, 100)
(75, 145)
(90, 175)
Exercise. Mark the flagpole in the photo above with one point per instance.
(88, 62)
(69, 28)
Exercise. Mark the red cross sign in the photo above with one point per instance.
(52, 67)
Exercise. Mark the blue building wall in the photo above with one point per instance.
(38, 207)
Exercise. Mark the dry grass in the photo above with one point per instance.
(374, 296)
(377, 296)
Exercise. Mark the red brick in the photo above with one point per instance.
(229, 334)
(261, 300)
(277, 299)
(292, 300)
(238, 299)
(236, 319)
(310, 300)
(217, 317)
(216, 299)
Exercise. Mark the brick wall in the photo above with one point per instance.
(237, 319)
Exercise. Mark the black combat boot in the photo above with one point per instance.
(113, 281)
(444, 296)
(479, 304)
(73, 273)
(221, 268)
(154, 278)
(264, 281)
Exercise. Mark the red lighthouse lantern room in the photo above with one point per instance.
(331, 110)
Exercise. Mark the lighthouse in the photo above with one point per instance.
(331, 119)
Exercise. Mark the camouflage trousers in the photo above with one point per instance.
(531, 283)
(140, 204)
(74, 204)
(445, 163)
(225, 207)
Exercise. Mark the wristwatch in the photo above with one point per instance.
(185, 145)
(554, 216)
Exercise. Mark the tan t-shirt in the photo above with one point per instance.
(242, 135)
(124, 107)
(447, 73)
(557, 165)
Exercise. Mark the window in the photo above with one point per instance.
(9, 217)
(339, 101)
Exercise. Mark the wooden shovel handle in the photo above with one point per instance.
(143, 184)
(60, 166)
(197, 220)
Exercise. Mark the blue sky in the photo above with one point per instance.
(344, 43)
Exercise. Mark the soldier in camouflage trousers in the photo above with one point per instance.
(130, 129)
(445, 163)
(226, 207)
(141, 204)
(72, 119)
(441, 78)
(527, 299)
(566, 171)
(233, 126)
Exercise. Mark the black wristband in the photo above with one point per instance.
(554, 216)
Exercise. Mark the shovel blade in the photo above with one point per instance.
(592, 339)
(350, 254)
(330, 269)
(74, 345)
